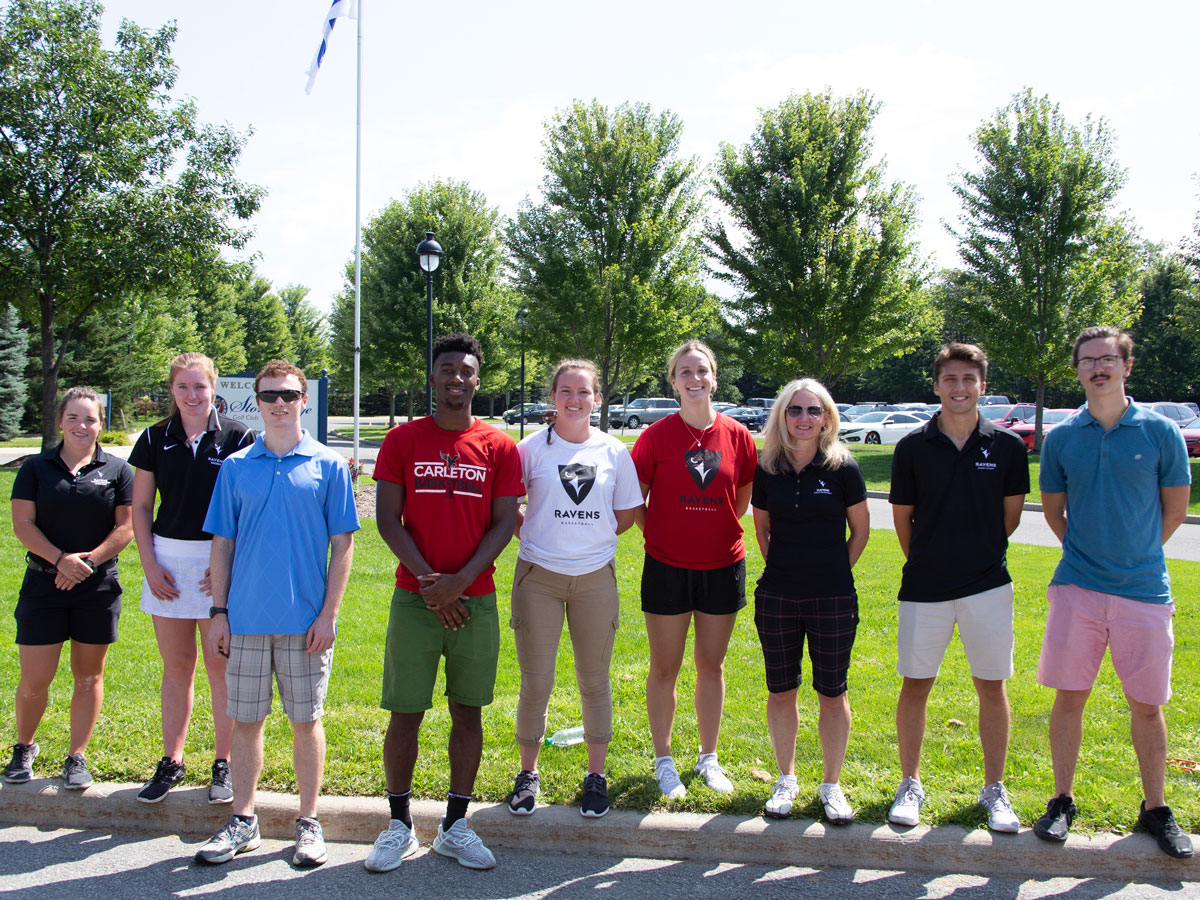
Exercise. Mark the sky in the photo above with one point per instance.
(462, 90)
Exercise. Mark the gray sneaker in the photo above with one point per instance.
(463, 844)
(906, 808)
(391, 848)
(220, 789)
(75, 773)
(20, 770)
(237, 836)
(310, 843)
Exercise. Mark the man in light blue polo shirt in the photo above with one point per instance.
(1115, 486)
(283, 520)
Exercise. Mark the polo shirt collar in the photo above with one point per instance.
(214, 424)
(985, 428)
(308, 446)
(99, 458)
(816, 462)
(1132, 416)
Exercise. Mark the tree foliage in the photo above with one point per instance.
(107, 186)
(821, 248)
(310, 334)
(1166, 348)
(264, 322)
(1044, 254)
(13, 342)
(609, 262)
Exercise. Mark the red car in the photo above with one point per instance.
(1008, 414)
(1050, 418)
(1191, 434)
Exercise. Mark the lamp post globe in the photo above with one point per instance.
(429, 254)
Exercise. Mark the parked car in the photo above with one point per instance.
(1195, 408)
(1050, 418)
(879, 428)
(1006, 415)
(513, 415)
(1176, 412)
(1191, 436)
(994, 400)
(861, 409)
(534, 414)
(721, 406)
(753, 417)
(642, 411)
(763, 402)
(550, 416)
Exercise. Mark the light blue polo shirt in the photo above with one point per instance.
(1112, 478)
(281, 512)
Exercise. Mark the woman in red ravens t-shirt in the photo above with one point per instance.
(696, 468)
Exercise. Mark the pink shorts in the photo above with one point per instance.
(1081, 623)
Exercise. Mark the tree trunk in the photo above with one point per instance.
(49, 376)
(1040, 400)
(391, 408)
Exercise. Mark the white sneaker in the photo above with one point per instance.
(713, 774)
(668, 778)
(391, 847)
(783, 795)
(994, 798)
(906, 808)
(837, 807)
(463, 844)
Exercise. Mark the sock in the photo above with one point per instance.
(247, 819)
(456, 808)
(399, 807)
(706, 758)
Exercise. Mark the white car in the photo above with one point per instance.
(879, 428)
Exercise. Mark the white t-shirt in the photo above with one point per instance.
(572, 490)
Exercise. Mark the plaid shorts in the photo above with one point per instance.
(783, 622)
(303, 677)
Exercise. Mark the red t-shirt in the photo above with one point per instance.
(449, 480)
(691, 522)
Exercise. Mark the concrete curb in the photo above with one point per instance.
(657, 835)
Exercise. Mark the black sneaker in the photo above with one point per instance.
(1160, 822)
(168, 774)
(595, 796)
(1053, 826)
(20, 769)
(523, 799)
(75, 773)
(220, 790)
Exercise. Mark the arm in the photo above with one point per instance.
(323, 630)
(72, 569)
(858, 518)
(741, 500)
(161, 582)
(1054, 508)
(1012, 512)
(762, 531)
(1174, 508)
(220, 566)
(902, 519)
(389, 519)
(627, 518)
(639, 513)
(520, 521)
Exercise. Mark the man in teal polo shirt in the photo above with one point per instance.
(1115, 486)
(283, 520)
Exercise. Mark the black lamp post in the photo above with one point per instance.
(429, 252)
(522, 321)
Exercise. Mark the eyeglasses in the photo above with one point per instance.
(1108, 361)
(285, 396)
(814, 412)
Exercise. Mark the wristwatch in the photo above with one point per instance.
(218, 611)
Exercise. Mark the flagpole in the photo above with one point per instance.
(358, 231)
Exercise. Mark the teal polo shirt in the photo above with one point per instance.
(1112, 479)
(280, 511)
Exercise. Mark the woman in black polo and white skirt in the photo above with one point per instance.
(179, 458)
(70, 510)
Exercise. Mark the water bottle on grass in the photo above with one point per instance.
(565, 737)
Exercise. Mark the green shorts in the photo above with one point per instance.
(417, 640)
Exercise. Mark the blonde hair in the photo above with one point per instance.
(777, 440)
(688, 347)
(188, 361)
(586, 366)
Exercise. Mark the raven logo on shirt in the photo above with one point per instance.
(577, 480)
(702, 465)
(450, 459)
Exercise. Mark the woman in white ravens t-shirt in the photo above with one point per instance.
(582, 492)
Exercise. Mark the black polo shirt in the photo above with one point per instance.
(75, 512)
(807, 556)
(958, 541)
(185, 481)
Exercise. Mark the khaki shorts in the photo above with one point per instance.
(985, 627)
(303, 677)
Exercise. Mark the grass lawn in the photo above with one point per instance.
(126, 743)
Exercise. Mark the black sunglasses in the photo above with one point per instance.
(286, 396)
(814, 412)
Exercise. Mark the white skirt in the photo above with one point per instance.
(186, 561)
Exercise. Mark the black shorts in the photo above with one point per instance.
(830, 624)
(81, 614)
(671, 591)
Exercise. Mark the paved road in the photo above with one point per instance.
(43, 864)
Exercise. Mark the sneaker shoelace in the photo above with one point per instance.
(307, 833)
(595, 783)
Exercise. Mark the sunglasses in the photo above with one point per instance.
(814, 412)
(285, 396)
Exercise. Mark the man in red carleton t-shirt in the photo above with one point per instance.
(447, 488)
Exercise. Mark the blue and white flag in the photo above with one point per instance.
(338, 9)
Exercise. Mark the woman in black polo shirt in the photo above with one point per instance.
(70, 509)
(807, 490)
(179, 458)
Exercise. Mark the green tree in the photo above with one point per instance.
(822, 249)
(1043, 252)
(310, 338)
(1167, 350)
(13, 342)
(263, 321)
(107, 186)
(219, 331)
(609, 262)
